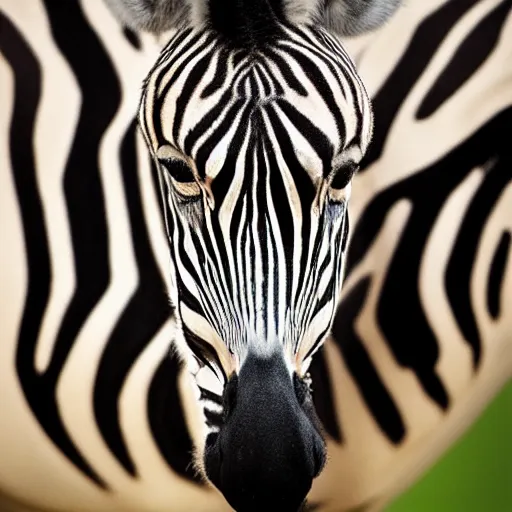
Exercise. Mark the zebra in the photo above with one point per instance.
(386, 415)
(257, 121)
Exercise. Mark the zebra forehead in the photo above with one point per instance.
(316, 128)
(198, 79)
(298, 56)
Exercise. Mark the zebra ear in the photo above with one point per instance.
(354, 17)
(153, 16)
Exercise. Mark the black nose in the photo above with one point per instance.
(269, 449)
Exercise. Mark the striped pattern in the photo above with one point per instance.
(432, 201)
(269, 139)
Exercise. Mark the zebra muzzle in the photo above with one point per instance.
(269, 449)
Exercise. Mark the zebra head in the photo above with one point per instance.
(257, 120)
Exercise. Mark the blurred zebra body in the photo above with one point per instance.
(94, 414)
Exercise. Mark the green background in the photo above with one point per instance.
(475, 475)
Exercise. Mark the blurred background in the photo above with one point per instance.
(475, 475)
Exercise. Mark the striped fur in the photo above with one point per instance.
(265, 172)
(110, 384)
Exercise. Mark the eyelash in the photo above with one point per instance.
(184, 184)
(343, 176)
(178, 170)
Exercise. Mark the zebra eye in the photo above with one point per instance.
(182, 178)
(340, 181)
(343, 175)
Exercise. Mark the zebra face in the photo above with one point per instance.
(256, 149)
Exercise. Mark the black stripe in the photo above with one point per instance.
(206, 394)
(323, 396)
(39, 389)
(373, 390)
(400, 311)
(318, 81)
(203, 351)
(193, 79)
(189, 299)
(224, 180)
(159, 98)
(335, 252)
(264, 81)
(496, 275)
(406, 72)
(160, 197)
(460, 266)
(208, 120)
(218, 290)
(264, 234)
(274, 82)
(309, 287)
(178, 38)
(213, 418)
(167, 418)
(314, 136)
(239, 91)
(303, 183)
(470, 55)
(132, 37)
(277, 279)
(216, 136)
(143, 316)
(184, 294)
(82, 182)
(182, 255)
(219, 75)
(286, 71)
(319, 340)
(284, 216)
(346, 230)
(238, 56)
(170, 56)
(330, 58)
(166, 52)
(327, 296)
